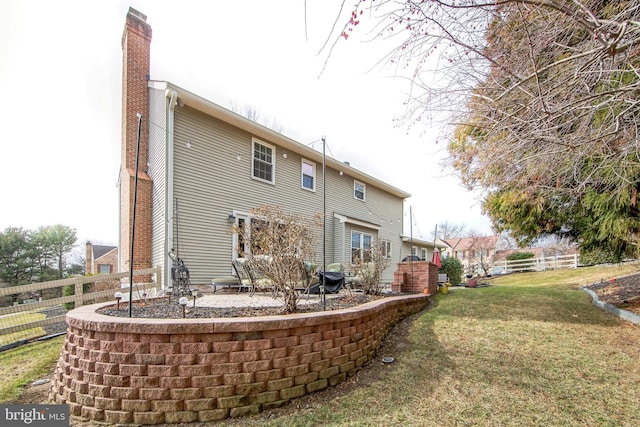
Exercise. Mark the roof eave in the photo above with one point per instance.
(214, 110)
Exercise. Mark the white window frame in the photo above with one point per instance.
(362, 239)
(423, 253)
(255, 141)
(355, 191)
(313, 176)
(386, 248)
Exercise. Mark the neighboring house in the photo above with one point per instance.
(101, 259)
(204, 167)
(475, 253)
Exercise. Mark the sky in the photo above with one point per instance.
(60, 79)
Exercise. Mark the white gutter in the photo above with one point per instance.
(271, 136)
(168, 205)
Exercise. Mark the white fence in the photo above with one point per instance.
(28, 316)
(536, 264)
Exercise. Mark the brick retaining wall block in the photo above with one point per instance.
(151, 371)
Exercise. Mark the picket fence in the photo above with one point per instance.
(536, 264)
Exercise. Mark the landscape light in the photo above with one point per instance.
(118, 296)
(183, 301)
(194, 294)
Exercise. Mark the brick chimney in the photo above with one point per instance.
(136, 53)
(88, 261)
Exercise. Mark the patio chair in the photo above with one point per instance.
(308, 280)
(244, 276)
(355, 281)
(258, 281)
(335, 267)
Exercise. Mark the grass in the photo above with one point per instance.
(20, 319)
(531, 350)
(25, 364)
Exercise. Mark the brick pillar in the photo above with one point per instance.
(136, 53)
(416, 276)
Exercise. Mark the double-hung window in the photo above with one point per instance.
(359, 190)
(308, 175)
(264, 161)
(360, 246)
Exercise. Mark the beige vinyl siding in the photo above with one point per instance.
(224, 184)
(157, 172)
(210, 182)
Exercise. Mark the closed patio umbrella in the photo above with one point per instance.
(436, 258)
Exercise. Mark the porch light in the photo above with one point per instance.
(231, 219)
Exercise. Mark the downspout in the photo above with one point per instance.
(168, 201)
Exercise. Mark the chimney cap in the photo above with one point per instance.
(137, 14)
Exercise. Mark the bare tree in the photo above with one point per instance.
(251, 112)
(483, 252)
(544, 96)
(447, 230)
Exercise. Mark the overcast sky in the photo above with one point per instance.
(60, 75)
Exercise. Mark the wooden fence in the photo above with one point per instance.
(536, 264)
(10, 316)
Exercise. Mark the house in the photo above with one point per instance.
(475, 253)
(101, 259)
(202, 168)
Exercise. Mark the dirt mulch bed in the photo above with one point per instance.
(165, 310)
(623, 292)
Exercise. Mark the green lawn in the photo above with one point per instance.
(530, 350)
(20, 319)
(26, 364)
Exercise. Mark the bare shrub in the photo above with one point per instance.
(281, 249)
(369, 270)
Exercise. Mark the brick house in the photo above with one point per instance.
(475, 253)
(101, 259)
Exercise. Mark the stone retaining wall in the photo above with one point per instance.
(151, 371)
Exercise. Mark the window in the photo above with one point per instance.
(104, 268)
(264, 160)
(423, 254)
(385, 247)
(359, 190)
(308, 175)
(360, 246)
